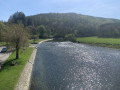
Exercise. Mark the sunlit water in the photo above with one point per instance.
(71, 66)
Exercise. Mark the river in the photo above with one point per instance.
(72, 66)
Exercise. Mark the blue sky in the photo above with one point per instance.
(99, 8)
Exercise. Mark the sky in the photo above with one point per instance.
(98, 8)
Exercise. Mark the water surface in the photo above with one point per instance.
(71, 66)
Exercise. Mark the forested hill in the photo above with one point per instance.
(69, 17)
(59, 24)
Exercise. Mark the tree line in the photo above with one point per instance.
(62, 24)
(20, 27)
(109, 30)
(59, 25)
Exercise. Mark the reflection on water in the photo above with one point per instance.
(70, 66)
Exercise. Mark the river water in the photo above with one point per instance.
(72, 66)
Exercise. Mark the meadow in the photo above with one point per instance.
(105, 42)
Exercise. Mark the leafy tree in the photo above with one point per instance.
(42, 31)
(17, 36)
(2, 27)
(33, 30)
(110, 30)
(29, 21)
(18, 17)
(34, 37)
(70, 37)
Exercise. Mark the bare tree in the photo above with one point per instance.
(17, 36)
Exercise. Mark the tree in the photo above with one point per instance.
(16, 35)
(61, 24)
(29, 21)
(42, 31)
(34, 37)
(70, 37)
(2, 27)
(110, 30)
(33, 33)
(18, 17)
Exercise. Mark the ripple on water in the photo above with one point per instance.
(71, 66)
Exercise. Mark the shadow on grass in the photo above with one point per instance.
(11, 63)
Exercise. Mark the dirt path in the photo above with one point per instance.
(45, 40)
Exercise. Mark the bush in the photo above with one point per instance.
(70, 37)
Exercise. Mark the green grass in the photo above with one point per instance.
(106, 42)
(37, 41)
(2, 43)
(9, 75)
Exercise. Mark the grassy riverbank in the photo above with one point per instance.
(104, 42)
(10, 74)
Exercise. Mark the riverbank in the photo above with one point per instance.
(9, 74)
(24, 80)
(103, 42)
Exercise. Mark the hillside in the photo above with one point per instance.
(60, 24)
(70, 16)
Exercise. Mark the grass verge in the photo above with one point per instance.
(104, 42)
(10, 74)
(2, 43)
